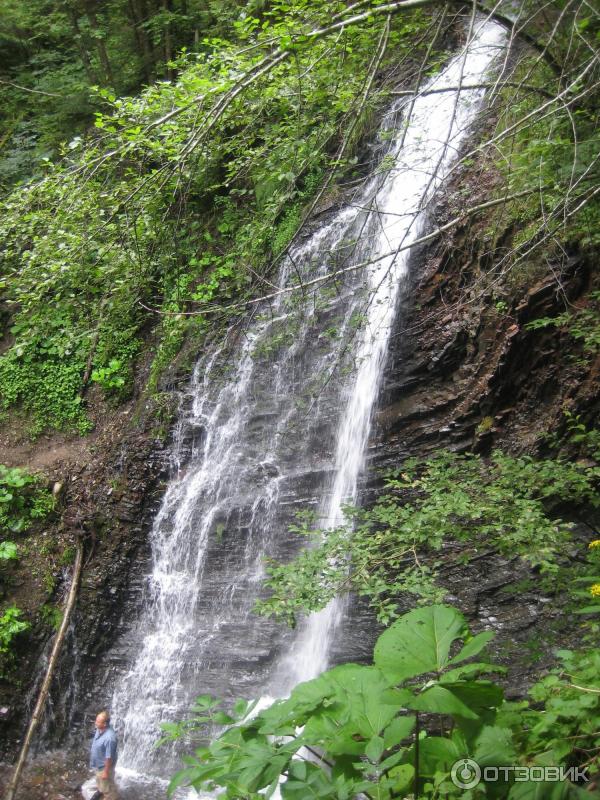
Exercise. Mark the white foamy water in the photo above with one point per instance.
(421, 158)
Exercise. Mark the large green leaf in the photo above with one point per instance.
(403, 777)
(494, 746)
(374, 749)
(284, 716)
(476, 694)
(364, 691)
(398, 729)
(259, 773)
(470, 670)
(473, 647)
(419, 642)
(323, 730)
(306, 781)
(359, 706)
(438, 700)
(543, 790)
(437, 754)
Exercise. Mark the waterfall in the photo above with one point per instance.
(276, 420)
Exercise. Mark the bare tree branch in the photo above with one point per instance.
(26, 89)
(466, 87)
(336, 273)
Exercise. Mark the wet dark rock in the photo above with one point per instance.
(477, 380)
(470, 378)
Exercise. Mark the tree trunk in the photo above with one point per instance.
(96, 27)
(43, 695)
(141, 36)
(79, 40)
(168, 40)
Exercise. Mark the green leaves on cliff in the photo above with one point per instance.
(549, 111)
(11, 625)
(180, 199)
(175, 203)
(396, 728)
(502, 505)
(567, 731)
(22, 500)
(582, 323)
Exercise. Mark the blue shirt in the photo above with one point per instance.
(104, 746)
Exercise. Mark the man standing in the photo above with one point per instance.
(103, 757)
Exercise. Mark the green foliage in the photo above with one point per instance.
(51, 616)
(582, 324)
(553, 154)
(393, 729)
(149, 212)
(389, 549)
(574, 434)
(22, 500)
(292, 217)
(8, 551)
(11, 625)
(180, 198)
(486, 424)
(48, 390)
(585, 584)
(56, 56)
(109, 377)
(173, 331)
(567, 732)
(68, 556)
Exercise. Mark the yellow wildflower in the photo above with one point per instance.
(595, 543)
(595, 590)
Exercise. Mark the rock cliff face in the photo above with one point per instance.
(109, 498)
(121, 500)
(463, 372)
(466, 374)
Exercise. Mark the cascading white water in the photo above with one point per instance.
(277, 420)
(422, 155)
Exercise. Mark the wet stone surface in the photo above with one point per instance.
(53, 776)
(62, 775)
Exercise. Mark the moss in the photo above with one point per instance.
(486, 425)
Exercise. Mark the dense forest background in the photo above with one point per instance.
(57, 57)
(181, 197)
(157, 161)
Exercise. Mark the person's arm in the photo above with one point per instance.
(109, 757)
(107, 768)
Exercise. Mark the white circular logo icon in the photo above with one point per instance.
(465, 773)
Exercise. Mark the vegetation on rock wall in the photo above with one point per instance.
(135, 218)
(502, 504)
(178, 202)
(424, 720)
(23, 501)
